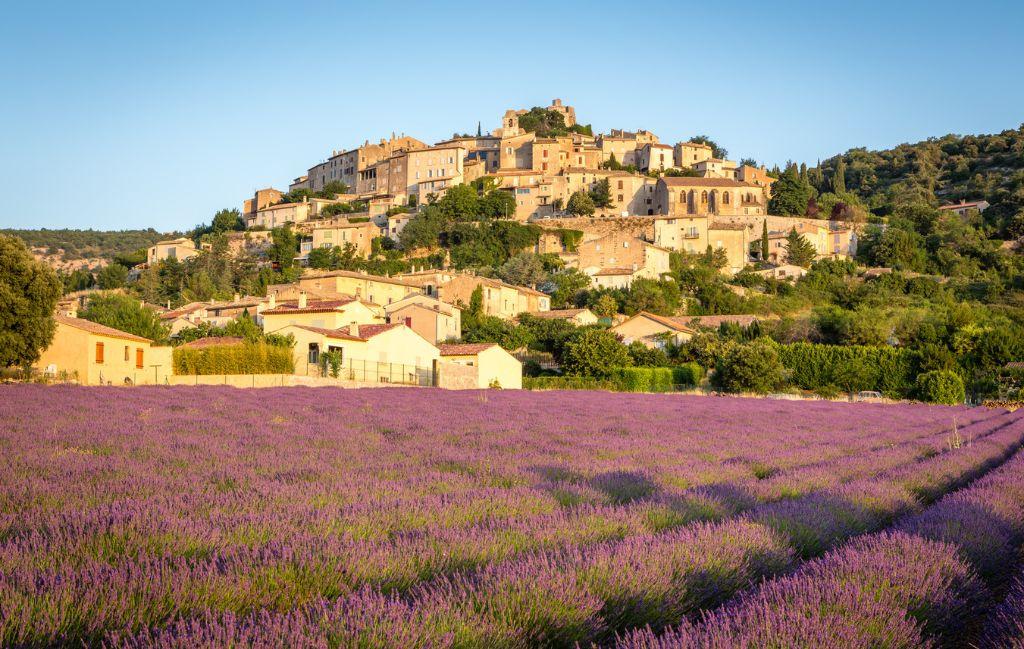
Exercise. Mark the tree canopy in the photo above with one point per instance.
(29, 291)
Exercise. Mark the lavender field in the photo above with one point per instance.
(319, 517)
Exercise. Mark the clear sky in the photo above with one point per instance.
(140, 114)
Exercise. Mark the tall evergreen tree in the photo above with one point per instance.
(764, 240)
(799, 251)
(839, 178)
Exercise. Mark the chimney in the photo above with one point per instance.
(353, 329)
(302, 299)
(273, 300)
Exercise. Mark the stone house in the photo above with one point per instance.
(94, 354)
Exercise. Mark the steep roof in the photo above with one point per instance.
(675, 324)
(465, 349)
(97, 328)
(365, 331)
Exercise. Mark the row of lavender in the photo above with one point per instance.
(590, 594)
(926, 582)
(223, 508)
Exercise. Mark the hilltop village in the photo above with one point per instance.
(370, 264)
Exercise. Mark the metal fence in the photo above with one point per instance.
(364, 371)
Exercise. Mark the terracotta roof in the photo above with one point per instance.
(214, 341)
(614, 271)
(316, 306)
(371, 330)
(671, 323)
(687, 181)
(338, 334)
(349, 273)
(713, 321)
(696, 144)
(465, 349)
(960, 205)
(1014, 365)
(97, 328)
(558, 313)
(182, 310)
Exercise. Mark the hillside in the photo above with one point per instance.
(67, 245)
(936, 171)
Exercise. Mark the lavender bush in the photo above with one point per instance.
(412, 517)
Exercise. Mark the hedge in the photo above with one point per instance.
(812, 366)
(688, 374)
(248, 358)
(624, 379)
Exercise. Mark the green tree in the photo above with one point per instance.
(765, 250)
(593, 352)
(127, 314)
(568, 285)
(605, 306)
(601, 193)
(754, 367)
(227, 220)
(790, 193)
(284, 247)
(112, 276)
(644, 356)
(653, 296)
(799, 251)
(29, 291)
(523, 269)
(839, 178)
(853, 375)
(941, 386)
(716, 151)
(580, 204)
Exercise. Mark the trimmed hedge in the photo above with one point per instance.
(813, 366)
(688, 374)
(624, 379)
(248, 358)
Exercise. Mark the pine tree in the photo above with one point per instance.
(764, 240)
(839, 178)
(478, 131)
(799, 251)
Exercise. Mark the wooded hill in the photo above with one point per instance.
(937, 171)
(79, 244)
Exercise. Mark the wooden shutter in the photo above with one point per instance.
(99, 352)
(138, 357)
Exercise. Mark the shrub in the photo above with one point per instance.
(814, 367)
(688, 374)
(941, 386)
(248, 358)
(593, 352)
(750, 368)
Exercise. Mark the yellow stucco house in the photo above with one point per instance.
(431, 318)
(325, 314)
(494, 366)
(372, 353)
(653, 330)
(180, 249)
(372, 288)
(94, 354)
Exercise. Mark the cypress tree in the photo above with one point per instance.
(764, 240)
(839, 178)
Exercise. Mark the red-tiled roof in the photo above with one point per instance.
(182, 310)
(96, 328)
(558, 313)
(371, 330)
(316, 306)
(614, 271)
(672, 323)
(338, 334)
(214, 341)
(465, 349)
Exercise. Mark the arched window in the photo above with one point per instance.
(725, 198)
(704, 197)
(682, 196)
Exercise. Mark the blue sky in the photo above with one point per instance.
(133, 115)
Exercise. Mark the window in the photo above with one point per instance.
(725, 198)
(99, 352)
(620, 187)
(620, 198)
(704, 197)
(126, 353)
(139, 357)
